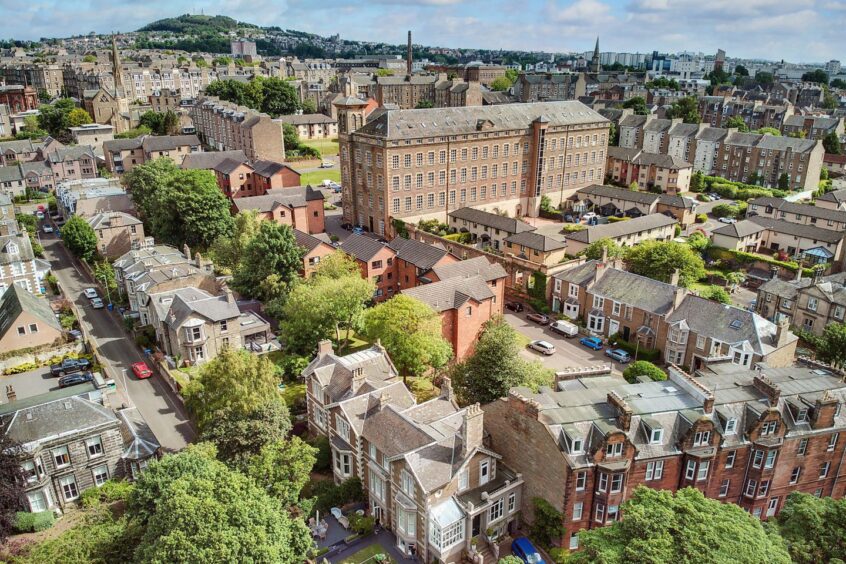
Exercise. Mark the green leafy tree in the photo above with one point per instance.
(238, 436)
(144, 181)
(309, 107)
(500, 84)
(31, 129)
(77, 117)
(764, 78)
(424, 104)
(638, 104)
(53, 118)
(800, 134)
(194, 509)
(724, 210)
(160, 123)
(740, 70)
(548, 525)
(717, 294)
(495, 366)
(831, 143)
(282, 469)
(512, 75)
(80, 238)
(685, 527)
(11, 484)
(190, 210)
(227, 251)
(410, 331)
(698, 242)
(697, 182)
(234, 382)
(832, 345)
(384, 72)
(818, 76)
(279, 97)
(510, 559)
(738, 123)
(595, 250)
(687, 109)
(104, 273)
(643, 368)
(769, 131)
(784, 181)
(812, 528)
(660, 259)
(838, 83)
(633, 187)
(273, 251)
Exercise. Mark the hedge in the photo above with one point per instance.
(26, 522)
(746, 258)
(739, 190)
(643, 368)
(459, 237)
(643, 353)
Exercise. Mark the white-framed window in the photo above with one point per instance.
(757, 458)
(803, 446)
(730, 458)
(377, 485)
(100, 474)
(320, 417)
(94, 447)
(343, 428)
(343, 464)
(690, 470)
(654, 470)
(832, 442)
(512, 502)
(573, 290)
(655, 436)
(770, 461)
(463, 480)
(824, 467)
(68, 486)
(616, 483)
(581, 481)
(769, 427)
(37, 501)
(751, 486)
(614, 449)
(703, 470)
(596, 323)
(616, 306)
(613, 512)
(598, 302)
(407, 521)
(495, 511)
(449, 536)
(731, 427)
(574, 541)
(407, 483)
(702, 438)
(812, 304)
(763, 488)
(724, 488)
(578, 507)
(599, 513)
(484, 472)
(61, 457)
(602, 483)
(794, 475)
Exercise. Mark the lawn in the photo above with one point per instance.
(327, 147)
(357, 343)
(368, 554)
(293, 394)
(422, 388)
(318, 176)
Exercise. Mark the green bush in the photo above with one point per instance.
(643, 368)
(459, 237)
(701, 218)
(361, 524)
(559, 555)
(324, 453)
(548, 524)
(741, 257)
(573, 227)
(651, 355)
(109, 492)
(25, 367)
(26, 522)
(330, 495)
(615, 219)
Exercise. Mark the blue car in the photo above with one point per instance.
(619, 355)
(594, 343)
(523, 549)
(358, 230)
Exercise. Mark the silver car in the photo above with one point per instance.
(543, 347)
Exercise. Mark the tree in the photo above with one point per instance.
(192, 508)
(512, 75)
(633, 187)
(830, 101)
(697, 182)
(80, 238)
(638, 104)
(510, 559)
(11, 484)
(764, 78)
(104, 273)
(500, 84)
(53, 118)
(31, 129)
(309, 107)
(239, 436)
(769, 131)
(495, 366)
(272, 251)
(812, 528)
(234, 382)
(319, 308)
(77, 117)
(717, 294)
(144, 181)
(227, 251)
(838, 83)
(607, 246)
(784, 181)
(660, 259)
(424, 104)
(643, 368)
(698, 242)
(818, 76)
(685, 527)
(799, 134)
(831, 143)
(740, 70)
(738, 123)
(410, 331)
(548, 524)
(190, 210)
(279, 97)
(724, 210)
(282, 469)
(687, 108)
(832, 345)
(160, 123)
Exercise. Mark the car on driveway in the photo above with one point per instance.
(713, 195)
(619, 355)
(141, 370)
(514, 306)
(90, 293)
(594, 343)
(327, 164)
(357, 230)
(538, 318)
(47, 228)
(727, 220)
(523, 549)
(74, 379)
(69, 366)
(97, 303)
(588, 216)
(543, 347)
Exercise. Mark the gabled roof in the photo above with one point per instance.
(361, 247)
(46, 421)
(635, 290)
(213, 308)
(479, 266)
(420, 254)
(15, 300)
(228, 166)
(536, 241)
(106, 220)
(306, 241)
(801, 209)
(207, 161)
(451, 293)
(507, 224)
(623, 194)
(621, 228)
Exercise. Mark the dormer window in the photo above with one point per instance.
(655, 436)
(577, 446)
(702, 438)
(614, 449)
(12, 248)
(731, 426)
(802, 416)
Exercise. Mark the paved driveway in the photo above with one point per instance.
(31, 383)
(568, 352)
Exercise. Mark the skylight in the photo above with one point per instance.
(736, 324)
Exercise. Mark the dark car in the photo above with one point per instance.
(347, 226)
(514, 306)
(569, 218)
(538, 318)
(74, 379)
(70, 365)
(523, 549)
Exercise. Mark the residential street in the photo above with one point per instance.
(152, 397)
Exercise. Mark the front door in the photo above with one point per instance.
(772, 506)
(477, 525)
(613, 326)
(626, 333)
(376, 511)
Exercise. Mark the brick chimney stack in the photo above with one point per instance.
(357, 379)
(674, 279)
(384, 400)
(472, 429)
(768, 388)
(324, 348)
(782, 332)
(186, 250)
(446, 389)
(408, 56)
(624, 410)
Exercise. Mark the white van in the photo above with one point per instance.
(565, 328)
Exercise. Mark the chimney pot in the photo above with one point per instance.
(624, 411)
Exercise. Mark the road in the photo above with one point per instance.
(153, 398)
(568, 352)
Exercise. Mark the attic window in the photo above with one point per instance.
(802, 416)
(655, 436)
(731, 426)
(735, 324)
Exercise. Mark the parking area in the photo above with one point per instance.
(568, 352)
(31, 383)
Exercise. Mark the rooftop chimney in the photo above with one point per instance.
(472, 429)
(678, 297)
(357, 379)
(767, 387)
(11, 394)
(624, 411)
(773, 272)
(324, 348)
(408, 56)
(818, 273)
(230, 297)
(674, 279)
(798, 274)
(782, 332)
(384, 400)
(604, 254)
(186, 250)
(446, 389)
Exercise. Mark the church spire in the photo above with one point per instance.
(594, 63)
(116, 72)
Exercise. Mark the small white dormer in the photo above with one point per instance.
(13, 249)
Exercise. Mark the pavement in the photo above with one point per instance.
(158, 404)
(31, 383)
(568, 352)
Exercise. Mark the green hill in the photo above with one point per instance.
(195, 24)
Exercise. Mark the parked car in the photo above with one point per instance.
(564, 328)
(569, 218)
(90, 293)
(523, 549)
(619, 355)
(70, 365)
(39, 214)
(594, 343)
(347, 226)
(543, 347)
(514, 306)
(47, 228)
(327, 164)
(588, 216)
(358, 230)
(141, 370)
(727, 220)
(538, 318)
(713, 195)
(74, 379)
(97, 303)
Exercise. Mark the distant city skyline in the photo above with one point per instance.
(796, 30)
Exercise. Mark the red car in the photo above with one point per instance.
(141, 370)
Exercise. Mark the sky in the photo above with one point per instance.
(793, 30)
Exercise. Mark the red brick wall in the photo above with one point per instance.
(316, 222)
(387, 271)
(461, 329)
(321, 251)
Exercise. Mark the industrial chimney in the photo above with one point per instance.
(408, 56)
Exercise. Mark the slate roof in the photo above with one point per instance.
(361, 247)
(269, 168)
(306, 241)
(647, 198)
(44, 422)
(18, 146)
(836, 196)
(24, 249)
(227, 166)
(11, 173)
(536, 241)
(479, 266)
(660, 160)
(208, 160)
(638, 291)
(422, 255)
(621, 228)
(15, 300)
(799, 230)
(168, 142)
(336, 372)
(73, 153)
(305, 119)
(742, 228)
(580, 275)
(104, 220)
(141, 442)
(658, 125)
(213, 308)
(684, 130)
(801, 209)
(289, 197)
(712, 134)
(451, 293)
(623, 153)
(507, 224)
(633, 120)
